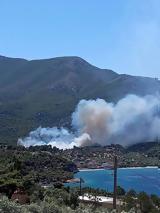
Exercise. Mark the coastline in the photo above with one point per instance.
(87, 169)
(100, 169)
(138, 167)
(139, 179)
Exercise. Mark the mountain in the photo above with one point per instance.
(45, 92)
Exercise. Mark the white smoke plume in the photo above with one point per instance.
(132, 120)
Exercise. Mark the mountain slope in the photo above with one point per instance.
(45, 92)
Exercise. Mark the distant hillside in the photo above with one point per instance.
(45, 92)
(143, 147)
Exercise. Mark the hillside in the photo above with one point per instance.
(45, 92)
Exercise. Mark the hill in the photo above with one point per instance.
(45, 92)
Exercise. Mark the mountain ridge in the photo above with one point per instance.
(45, 91)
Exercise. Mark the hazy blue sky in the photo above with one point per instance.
(123, 35)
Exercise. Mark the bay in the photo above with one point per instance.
(139, 179)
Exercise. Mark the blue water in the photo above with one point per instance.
(139, 179)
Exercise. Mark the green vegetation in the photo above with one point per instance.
(63, 200)
(31, 181)
(22, 168)
(141, 201)
(54, 206)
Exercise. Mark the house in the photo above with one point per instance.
(20, 196)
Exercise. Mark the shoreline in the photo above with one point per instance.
(140, 167)
(100, 169)
(87, 169)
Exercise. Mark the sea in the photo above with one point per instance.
(140, 179)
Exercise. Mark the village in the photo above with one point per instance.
(96, 157)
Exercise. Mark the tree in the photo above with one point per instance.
(145, 203)
(131, 193)
(120, 191)
(156, 200)
(130, 202)
(74, 199)
(7, 206)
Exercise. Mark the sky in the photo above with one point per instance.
(122, 35)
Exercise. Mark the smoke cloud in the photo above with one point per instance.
(132, 120)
